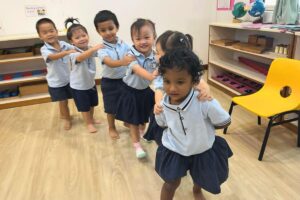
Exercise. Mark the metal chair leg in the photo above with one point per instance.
(298, 143)
(263, 147)
(230, 111)
(258, 120)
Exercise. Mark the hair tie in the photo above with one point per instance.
(181, 40)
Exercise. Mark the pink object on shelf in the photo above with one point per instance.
(259, 67)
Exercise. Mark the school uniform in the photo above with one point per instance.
(154, 131)
(82, 82)
(137, 99)
(189, 142)
(58, 72)
(111, 80)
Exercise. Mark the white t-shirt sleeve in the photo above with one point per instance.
(73, 57)
(217, 115)
(102, 53)
(45, 53)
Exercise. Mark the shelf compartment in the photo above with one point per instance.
(239, 69)
(24, 59)
(30, 79)
(267, 54)
(24, 101)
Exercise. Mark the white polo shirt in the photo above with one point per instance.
(82, 73)
(58, 71)
(116, 52)
(148, 63)
(190, 125)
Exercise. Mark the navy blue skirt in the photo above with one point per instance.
(134, 106)
(111, 90)
(85, 99)
(208, 169)
(154, 131)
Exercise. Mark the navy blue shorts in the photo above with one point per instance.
(60, 93)
(85, 99)
(135, 106)
(111, 90)
(208, 169)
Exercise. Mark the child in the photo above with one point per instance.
(55, 54)
(83, 70)
(189, 142)
(114, 61)
(137, 99)
(165, 42)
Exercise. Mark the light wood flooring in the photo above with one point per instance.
(41, 161)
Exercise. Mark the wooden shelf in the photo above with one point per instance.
(268, 54)
(241, 26)
(25, 36)
(23, 59)
(26, 100)
(23, 80)
(239, 69)
(223, 86)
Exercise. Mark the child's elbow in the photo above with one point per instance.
(223, 125)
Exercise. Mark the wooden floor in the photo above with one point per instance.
(41, 161)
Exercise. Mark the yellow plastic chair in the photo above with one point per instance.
(268, 102)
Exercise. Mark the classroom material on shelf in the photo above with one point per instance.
(9, 93)
(19, 75)
(258, 66)
(224, 42)
(237, 83)
(39, 88)
(282, 49)
(20, 52)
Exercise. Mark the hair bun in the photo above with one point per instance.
(72, 21)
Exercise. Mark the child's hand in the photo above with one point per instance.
(155, 73)
(157, 109)
(97, 47)
(127, 59)
(204, 94)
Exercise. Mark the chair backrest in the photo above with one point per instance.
(284, 72)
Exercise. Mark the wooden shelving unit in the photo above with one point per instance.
(23, 63)
(225, 59)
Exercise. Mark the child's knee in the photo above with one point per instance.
(173, 185)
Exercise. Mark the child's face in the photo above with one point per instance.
(80, 39)
(48, 33)
(143, 40)
(177, 84)
(159, 52)
(108, 31)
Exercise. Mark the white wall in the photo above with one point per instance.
(191, 16)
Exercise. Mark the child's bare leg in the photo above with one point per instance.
(197, 191)
(65, 114)
(95, 121)
(142, 128)
(89, 121)
(168, 189)
(113, 133)
(135, 138)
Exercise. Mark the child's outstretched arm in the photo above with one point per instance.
(56, 56)
(140, 71)
(204, 91)
(88, 53)
(126, 60)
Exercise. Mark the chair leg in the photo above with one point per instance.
(258, 120)
(298, 143)
(230, 111)
(263, 147)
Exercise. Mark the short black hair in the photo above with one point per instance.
(139, 23)
(182, 59)
(174, 39)
(73, 27)
(105, 15)
(43, 21)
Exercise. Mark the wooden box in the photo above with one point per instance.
(265, 42)
(252, 39)
(33, 89)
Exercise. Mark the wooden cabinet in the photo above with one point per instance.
(226, 60)
(21, 65)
